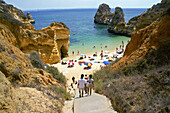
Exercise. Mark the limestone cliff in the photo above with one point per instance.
(51, 42)
(141, 21)
(15, 13)
(103, 14)
(118, 22)
(139, 82)
(31, 20)
(16, 70)
(146, 40)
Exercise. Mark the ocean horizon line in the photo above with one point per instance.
(73, 9)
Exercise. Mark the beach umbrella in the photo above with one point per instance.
(110, 58)
(88, 64)
(48, 64)
(82, 54)
(106, 62)
(70, 63)
(119, 51)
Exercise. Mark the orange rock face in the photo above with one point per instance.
(17, 66)
(151, 37)
(51, 42)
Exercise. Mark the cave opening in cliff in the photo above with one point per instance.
(63, 52)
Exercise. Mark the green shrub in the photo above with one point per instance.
(56, 74)
(36, 60)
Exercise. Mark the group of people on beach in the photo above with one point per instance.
(121, 47)
(85, 84)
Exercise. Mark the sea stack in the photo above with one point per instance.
(103, 14)
(117, 22)
(141, 21)
(31, 20)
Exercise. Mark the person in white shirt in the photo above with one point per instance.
(81, 85)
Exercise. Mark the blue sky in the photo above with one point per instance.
(69, 4)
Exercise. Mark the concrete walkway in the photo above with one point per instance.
(92, 104)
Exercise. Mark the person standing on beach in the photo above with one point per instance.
(101, 54)
(78, 52)
(73, 52)
(90, 84)
(81, 85)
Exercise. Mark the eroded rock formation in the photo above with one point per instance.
(141, 21)
(103, 14)
(16, 70)
(146, 40)
(118, 22)
(24, 88)
(51, 42)
(31, 20)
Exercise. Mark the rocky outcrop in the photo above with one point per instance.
(141, 21)
(51, 42)
(31, 20)
(142, 73)
(103, 14)
(16, 70)
(17, 67)
(146, 40)
(14, 12)
(118, 22)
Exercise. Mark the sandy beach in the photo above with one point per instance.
(77, 70)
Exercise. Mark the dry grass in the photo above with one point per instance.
(140, 87)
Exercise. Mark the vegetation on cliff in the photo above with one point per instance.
(25, 88)
(51, 42)
(25, 84)
(140, 81)
(138, 22)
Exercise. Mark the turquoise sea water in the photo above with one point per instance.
(83, 29)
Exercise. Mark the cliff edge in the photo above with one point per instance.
(51, 42)
(141, 21)
(139, 81)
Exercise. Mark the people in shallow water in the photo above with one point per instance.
(78, 52)
(94, 46)
(122, 43)
(73, 52)
(82, 44)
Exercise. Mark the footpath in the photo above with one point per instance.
(95, 103)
